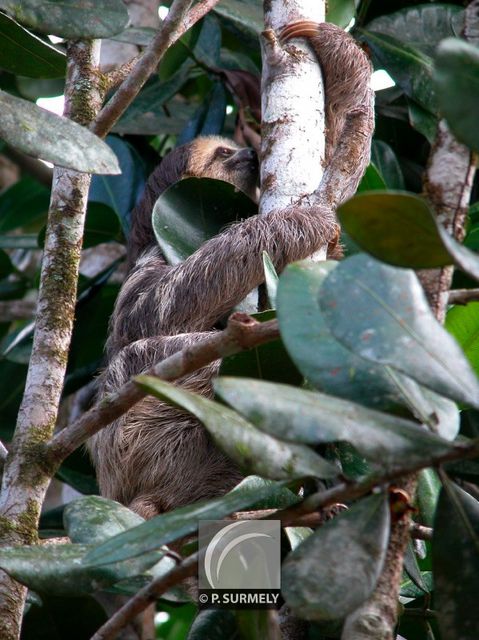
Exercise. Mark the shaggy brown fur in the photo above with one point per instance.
(156, 458)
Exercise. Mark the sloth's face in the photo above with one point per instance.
(222, 159)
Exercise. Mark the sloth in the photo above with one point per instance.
(155, 457)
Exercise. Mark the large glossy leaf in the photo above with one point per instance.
(463, 323)
(47, 136)
(315, 418)
(70, 18)
(168, 527)
(384, 158)
(193, 210)
(24, 204)
(421, 27)
(332, 368)
(120, 192)
(58, 569)
(95, 519)
(246, 14)
(251, 449)
(394, 227)
(268, 361)
(319, 583)
(101, 225)
(147, 114)
(214, 624)
(340, 12)
(410, 68)
(371, 180)
(407, 235)
(381, 313)
(455, 555)
(78, 472)
(427, 494)
(57, 618)
(456, 79)
(23, 53)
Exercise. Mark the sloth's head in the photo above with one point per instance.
(205, 157)
(223, 159)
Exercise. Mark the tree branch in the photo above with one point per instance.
(448, 183)
(347, 491)
(176, 23)
(303, 514)
(463, 296)
(420, 532)
(146, 596)
(26, 478)
(242, 332)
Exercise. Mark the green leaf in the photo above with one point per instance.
(411, 567)
(318, 583)
(94, 519)
(395, 238)
(456, 81)
(59, 570)
(269, 361)
(249, 448)
(101, 225)
(410, 68)
(315, 418)
(50, 137)
(120, 192)
(6, 266)
(371, 180)
(214, 624)
(23, 53)
(397, 228)
(340, 12)
(463, 258)
(423, 121)
(146, 115)
(422, 26)
(297, 535)
(70, 18)
(170, 526)
(410, 590)
(57, 618)
(463, 323)
(246, 14)
(78, 472)
(24, 204)
(455, 557)
(271, 279)
(384, 158)
(427, 495)
(381, 313)
(332, 368)
(193, 210)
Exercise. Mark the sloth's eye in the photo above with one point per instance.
(224, 152)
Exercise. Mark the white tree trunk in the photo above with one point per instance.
(293, 127)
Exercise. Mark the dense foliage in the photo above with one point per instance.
(364, 381)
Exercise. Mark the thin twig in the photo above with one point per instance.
(420, 532)
(345, 491)
(302, 514)
(176, 23)
(116, 76)
(145, 597)
(241, 333)
(463, 296)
